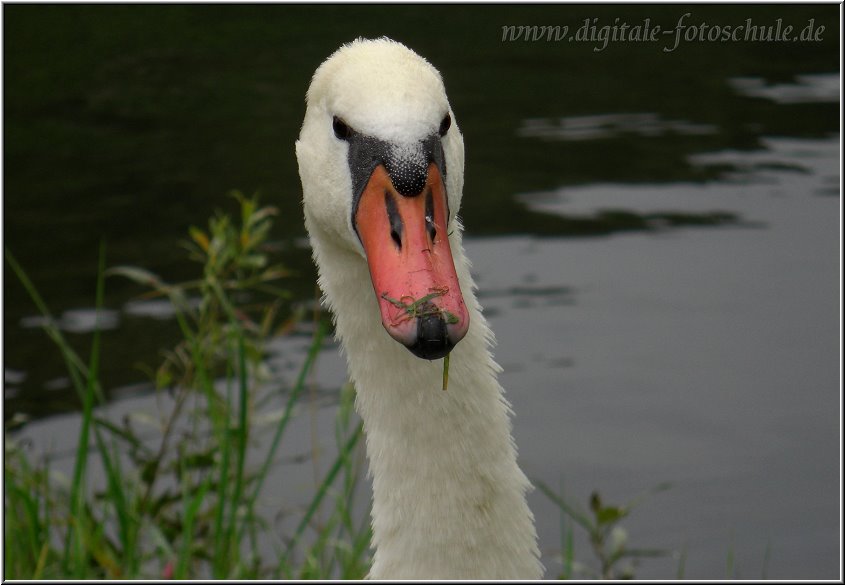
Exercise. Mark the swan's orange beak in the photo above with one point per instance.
(411, 263)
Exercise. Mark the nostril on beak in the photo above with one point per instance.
(396, 226)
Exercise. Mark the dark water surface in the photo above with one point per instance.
(654, 231)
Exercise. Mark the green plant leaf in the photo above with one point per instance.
(609, 514)
(200, 237)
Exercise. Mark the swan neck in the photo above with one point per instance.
(448, 495)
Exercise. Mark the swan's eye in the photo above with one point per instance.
(341, 129)
(444, 125)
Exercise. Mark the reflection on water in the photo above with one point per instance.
(823, 87)
(707, 358)
(609, 126)
(785, 168)
(694, 343)
(76, 321)
(161, 309)
(815, 158)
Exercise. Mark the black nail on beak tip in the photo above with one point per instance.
(432, 338)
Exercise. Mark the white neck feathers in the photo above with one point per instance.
(448, 496)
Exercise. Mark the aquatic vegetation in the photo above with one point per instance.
(184, 504)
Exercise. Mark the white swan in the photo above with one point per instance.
(381, 162)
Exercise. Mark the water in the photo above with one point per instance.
(718, 381)
(654, 236)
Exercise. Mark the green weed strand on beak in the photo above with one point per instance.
(414, 310)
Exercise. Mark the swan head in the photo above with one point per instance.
(381, 163)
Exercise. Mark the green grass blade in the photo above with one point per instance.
(321, 490)
(682, 563)
(77, 498)
(577, 516)
(190, 514)
(729, 564)
(766, 558)
(75, 366)
(220, 563)
(316, 344)
(127, 522)
(18, 511)
(566, 544)
(227, 541)
(569, 554)
(242, 440)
